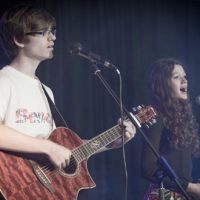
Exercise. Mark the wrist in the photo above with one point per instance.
(191, 187)
(45, 146)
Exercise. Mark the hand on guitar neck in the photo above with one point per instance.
(144, 115)
(194, 190)
(129, 133)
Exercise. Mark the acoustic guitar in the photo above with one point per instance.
(27, 176)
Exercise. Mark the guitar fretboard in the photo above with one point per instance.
(97, 143)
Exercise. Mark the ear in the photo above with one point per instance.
(19, 44)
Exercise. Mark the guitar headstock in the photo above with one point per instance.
(145, 115)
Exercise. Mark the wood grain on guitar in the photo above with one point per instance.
(27, 176)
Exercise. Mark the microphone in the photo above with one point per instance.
(197, 100)
(77, 49)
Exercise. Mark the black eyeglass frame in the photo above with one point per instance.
(43, 33)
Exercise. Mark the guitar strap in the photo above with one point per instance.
(58, 118)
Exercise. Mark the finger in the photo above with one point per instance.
(119, 121)
(68, 159)
(128, 125)
(127, 136)
(67, 162)
(59, 167)
(64, 164)
(122, 122)
(129, 129)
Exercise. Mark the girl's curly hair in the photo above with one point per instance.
(178, 115)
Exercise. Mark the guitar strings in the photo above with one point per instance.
(77, 157)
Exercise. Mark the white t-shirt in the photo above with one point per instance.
(23, 104)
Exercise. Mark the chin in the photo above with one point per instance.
(49, 57)
(184, 98)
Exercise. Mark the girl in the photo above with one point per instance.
(175, 134)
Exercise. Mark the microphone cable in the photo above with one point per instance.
(123, 135)
(77, 49)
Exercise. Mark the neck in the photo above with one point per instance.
(25, 65)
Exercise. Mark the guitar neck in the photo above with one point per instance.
(94, 145)
(97, 143)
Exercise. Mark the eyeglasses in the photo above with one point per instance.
(43, 33)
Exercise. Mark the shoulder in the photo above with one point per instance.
(5, 80)
(6, 89)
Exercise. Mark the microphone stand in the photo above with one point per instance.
(163, 162)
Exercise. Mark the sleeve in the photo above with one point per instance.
(149, 160)
(150, 165)
(5, 89)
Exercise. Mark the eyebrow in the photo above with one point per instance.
(178, 73)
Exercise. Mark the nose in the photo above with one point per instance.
(184, 80)
(51, 36)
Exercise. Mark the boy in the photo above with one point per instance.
(27, 36)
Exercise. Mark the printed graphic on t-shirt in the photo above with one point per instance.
(24, 116)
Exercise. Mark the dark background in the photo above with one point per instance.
(131, 35)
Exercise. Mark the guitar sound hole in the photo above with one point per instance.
(71, 168)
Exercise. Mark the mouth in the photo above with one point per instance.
(50, 47)
(183, 90)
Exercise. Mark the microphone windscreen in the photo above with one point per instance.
(75, 48)
(197, 100)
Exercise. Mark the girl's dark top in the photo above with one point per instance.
(179, 160)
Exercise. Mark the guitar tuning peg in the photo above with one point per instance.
(154, 121)
(139, 107)
(145, 115)
(146, 125)
(150, 123)
(134, 109)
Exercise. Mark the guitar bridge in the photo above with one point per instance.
(43, 178)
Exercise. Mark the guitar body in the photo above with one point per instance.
(19, 182)
(31, 176)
